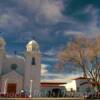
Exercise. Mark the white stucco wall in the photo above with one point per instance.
(71, 85)
(84, 86)
(34, 72)
(13, 59)
(36, 76)
(80, 86)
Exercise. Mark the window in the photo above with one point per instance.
(88, 89)
(14, 66)
(33, 61)
(78, 89)
(71, 89)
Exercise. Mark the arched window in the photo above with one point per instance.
(33, 61)
(14, 66)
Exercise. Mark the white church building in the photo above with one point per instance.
(20, 73)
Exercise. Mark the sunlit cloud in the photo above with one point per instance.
(44, 69)
(50, 77)
(49, 10)
(52, 10)
(72, 33)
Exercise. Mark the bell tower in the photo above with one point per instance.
(2, 52)
(32, 67)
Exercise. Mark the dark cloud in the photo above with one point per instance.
(47, 20)
(51, 22)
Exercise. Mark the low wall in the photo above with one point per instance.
(42, 99)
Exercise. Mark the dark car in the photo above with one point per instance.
(93, 96)
(56, 92)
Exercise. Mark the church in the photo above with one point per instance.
(19, 73)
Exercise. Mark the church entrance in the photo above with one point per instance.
(11, 87)
(12, 83)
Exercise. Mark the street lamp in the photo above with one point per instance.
(31, 82)
(5, 86)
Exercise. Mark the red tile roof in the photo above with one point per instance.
(78, 78)
(96, 83)
(51, 84)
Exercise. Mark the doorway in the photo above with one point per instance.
(11, 87)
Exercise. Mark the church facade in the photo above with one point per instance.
(20, 73)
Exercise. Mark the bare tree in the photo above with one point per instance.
(84, 53)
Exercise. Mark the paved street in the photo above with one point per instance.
(42, 99)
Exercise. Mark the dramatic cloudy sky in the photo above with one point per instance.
(50, 22)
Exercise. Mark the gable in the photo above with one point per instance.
(12, 75)
(13, 60)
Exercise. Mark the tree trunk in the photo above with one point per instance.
(84, 72)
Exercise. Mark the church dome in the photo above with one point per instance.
(2, 41)
(32, 45)
(33, 42)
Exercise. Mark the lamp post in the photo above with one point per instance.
(5, 86)
(31, 82)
